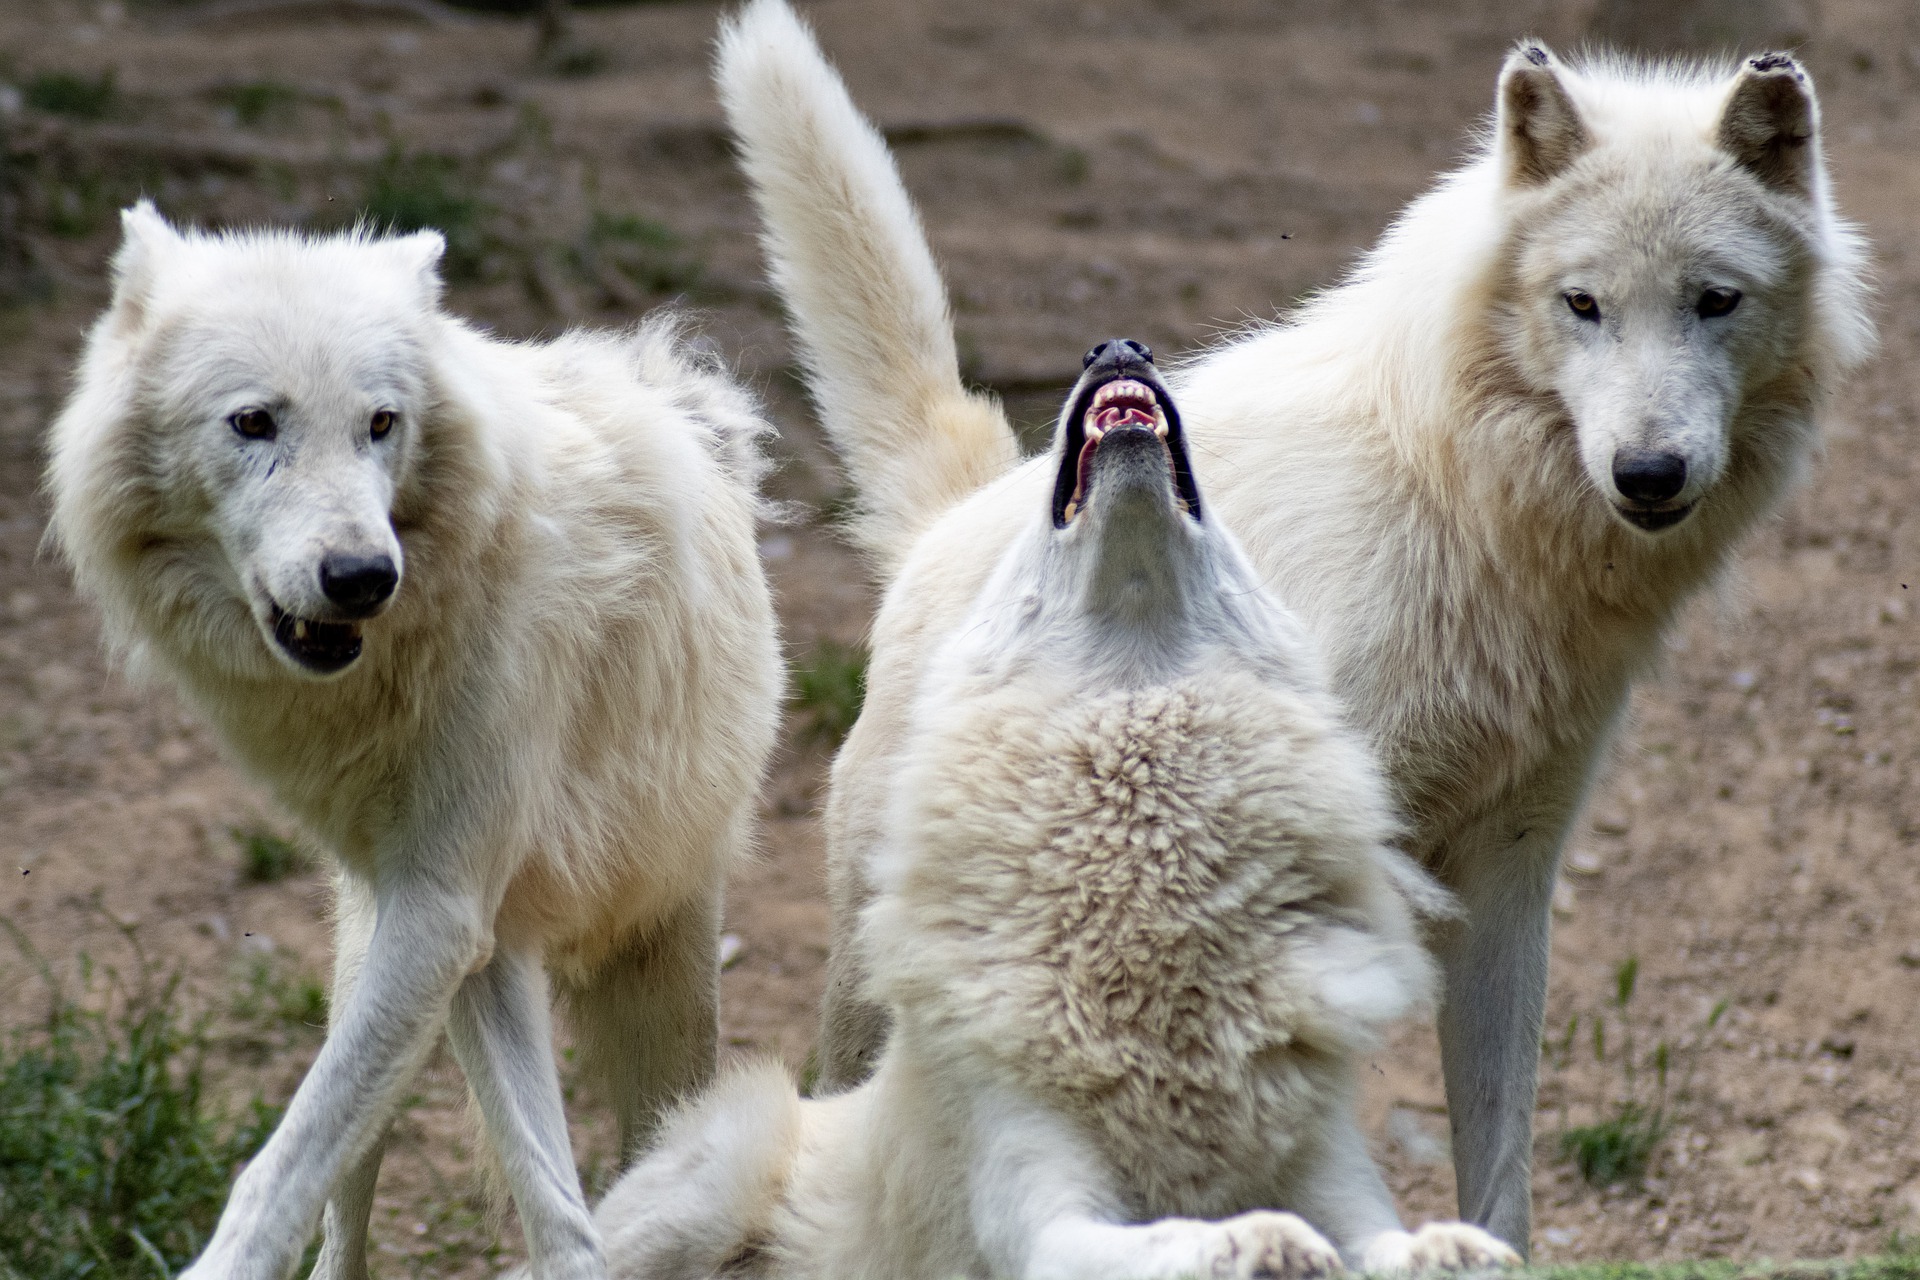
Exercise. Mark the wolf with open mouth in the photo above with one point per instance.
(487, 618)
(1138, 917)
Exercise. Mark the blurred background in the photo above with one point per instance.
(1731, 1066)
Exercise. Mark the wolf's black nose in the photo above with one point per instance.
(358, 585)
(1121, 354)
(1649, 475)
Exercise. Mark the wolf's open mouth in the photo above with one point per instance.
(323, 647)
(1122, 403)
(1653, 521)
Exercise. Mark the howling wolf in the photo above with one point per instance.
(1135, 920)
(488, 618)
(1487, 470)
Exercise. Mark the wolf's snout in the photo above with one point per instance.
(1649, 475)
(358, 585)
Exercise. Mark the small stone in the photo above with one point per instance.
(731, 950)
(1809, 1180)
(1612, 823)
(1584, 862)
(1745, 1150)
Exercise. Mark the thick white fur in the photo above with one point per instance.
(1419, 463)
(870, 312)
(544, 760)
(1135, 917)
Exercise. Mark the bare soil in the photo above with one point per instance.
(1166, 171)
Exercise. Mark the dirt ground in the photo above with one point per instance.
(1159, 169)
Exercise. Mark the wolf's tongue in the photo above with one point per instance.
(1119, 415)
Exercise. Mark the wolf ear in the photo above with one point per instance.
(420, 255)
(1771, 121)
(145, 237)
(1538, 130)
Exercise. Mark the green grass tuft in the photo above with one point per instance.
(828, 688)
(266, 857)
(67, 93)
(1634, 1117)
(113, 1163)
(273, 993)
(1618, 1148)
(1900, 1262)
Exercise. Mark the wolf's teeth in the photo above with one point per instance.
(1095, 434)
(300, 631)
(1073, 509)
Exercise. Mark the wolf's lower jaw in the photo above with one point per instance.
(1654, 521)
(321, 647)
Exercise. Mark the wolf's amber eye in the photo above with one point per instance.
(1717, 302)
(254, 424)
(382, 423)
(1583, 305)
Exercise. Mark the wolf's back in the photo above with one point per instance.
(850, 260)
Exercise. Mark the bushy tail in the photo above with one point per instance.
(850, 259)
(706, 1196)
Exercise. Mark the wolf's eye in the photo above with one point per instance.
(382, 424)
(1582, 304)
(1717, 302)
(254, 424)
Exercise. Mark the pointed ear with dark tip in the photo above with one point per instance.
(1538, 129)
(145, 238)
(1771, 121)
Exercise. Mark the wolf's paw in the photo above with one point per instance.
(1438, 1246)
(1271, 1246)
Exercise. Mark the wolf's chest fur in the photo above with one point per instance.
(1115, 897)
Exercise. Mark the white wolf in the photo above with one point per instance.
(488, 618)
(1487, 470)
(1135, 917)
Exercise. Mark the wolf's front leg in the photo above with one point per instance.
(1045, 1209)
(503, 1039)
(1502, 868)
(424, 945)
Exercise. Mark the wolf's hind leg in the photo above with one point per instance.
(503, 1039)
(1043, 1210)
(645, 1023)
(343, 1237)
(853, 1029)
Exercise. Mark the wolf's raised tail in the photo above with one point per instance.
(705, 1198)
(849, 258)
